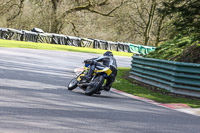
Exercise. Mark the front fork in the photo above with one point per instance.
(79, 74)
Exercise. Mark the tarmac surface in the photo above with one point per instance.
(34, 99)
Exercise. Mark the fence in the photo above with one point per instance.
(30, 36)
(177, 77)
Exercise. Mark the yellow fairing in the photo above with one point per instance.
(85, 68)
(79, 78)
(106, 70)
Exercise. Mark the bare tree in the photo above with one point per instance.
(141, 22)
(135, 21)
(149, 23)
(11, 9)
(87, 5)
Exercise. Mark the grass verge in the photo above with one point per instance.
(125, 85)
(32, 45)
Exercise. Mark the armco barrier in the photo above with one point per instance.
(140, 49)
(73, 41)
(3, 33)
(177, 77)
(45, 38)
(59, 39)
(112, 46)
(87, 43)
(30, 36)
(13, 34)
(37, 35)
(123, 47)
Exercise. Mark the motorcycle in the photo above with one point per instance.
(92, 86)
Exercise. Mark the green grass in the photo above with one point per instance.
(32, 45)
(125, 85)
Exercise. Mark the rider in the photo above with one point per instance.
(107, 60)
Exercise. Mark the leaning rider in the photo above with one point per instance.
(107, 60)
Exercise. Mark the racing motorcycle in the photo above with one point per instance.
(92, 86)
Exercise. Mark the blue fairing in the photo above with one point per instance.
(87, 65)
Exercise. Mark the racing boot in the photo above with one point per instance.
(98, 92)
(89, 75)
(106, 88)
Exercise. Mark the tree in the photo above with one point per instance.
(186, 15)
(140, 20)
(87, 5)
(135, 21)
(149, 22)
(12, 9)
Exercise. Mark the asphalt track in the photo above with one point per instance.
(34, 99)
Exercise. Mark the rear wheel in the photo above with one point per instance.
(97, 83)
(72, 84)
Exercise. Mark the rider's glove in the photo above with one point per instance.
(88, 62)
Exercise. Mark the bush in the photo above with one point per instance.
(182, 49)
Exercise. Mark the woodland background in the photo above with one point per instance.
(135, 21)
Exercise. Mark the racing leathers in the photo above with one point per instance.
(100, 63)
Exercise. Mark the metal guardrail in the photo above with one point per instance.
(51, 38)
(177, 77)
(140, 49)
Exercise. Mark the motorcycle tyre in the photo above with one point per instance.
(90, 91)
(74, 85)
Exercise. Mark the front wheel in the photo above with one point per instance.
(72, 84)
(97, 83)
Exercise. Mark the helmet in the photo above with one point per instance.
(108, 53)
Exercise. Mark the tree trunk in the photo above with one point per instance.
(54, 20)
(159, 30)
(149, 23)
